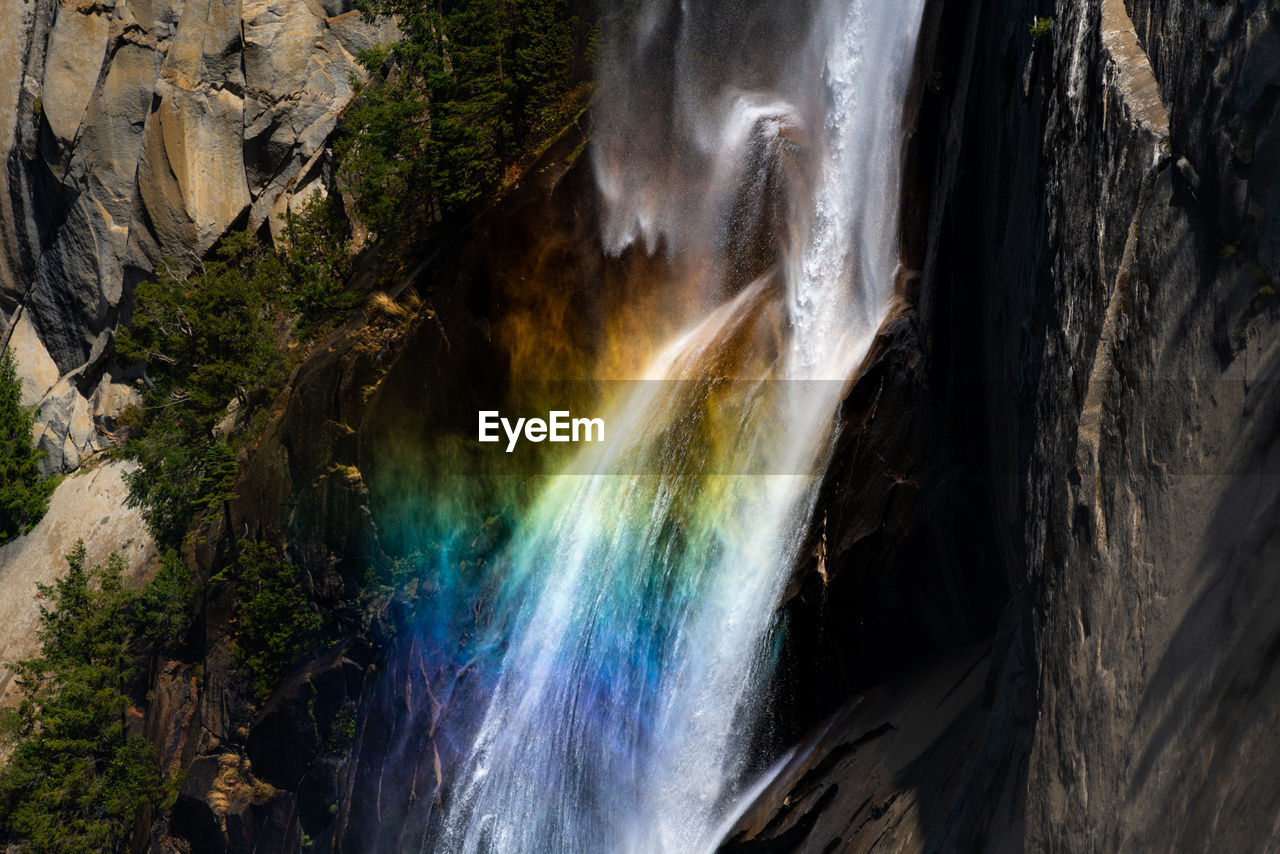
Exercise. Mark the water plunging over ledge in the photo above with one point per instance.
(638, 635)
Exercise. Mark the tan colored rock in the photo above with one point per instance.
(88, 506)
(306, 185)
(13, 43)
(1133, 78)
(77, 47)
(285, 49)
(70, 455)
(161, 195)
(357, 34)
(109, 402)
(36, 367)
(80, 428)
(72, 427)
(156, 17)
(298, 74)
(202, 141)
(172, 121)
(53, 429)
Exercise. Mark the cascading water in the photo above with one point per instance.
(645, 580)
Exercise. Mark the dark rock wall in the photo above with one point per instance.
(1096, 320)
(926, 616)
(1218, 65)
(1151, 496)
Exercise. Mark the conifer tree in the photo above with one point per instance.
(24, 495)
(79, 774)
(471, 91)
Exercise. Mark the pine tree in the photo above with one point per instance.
(24, 495)
(79, 773)
(274, 623)
(543, 60)
(209, 339)
(471, 91)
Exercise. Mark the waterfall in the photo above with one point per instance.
(758, 144)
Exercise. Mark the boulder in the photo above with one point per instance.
(53, 427)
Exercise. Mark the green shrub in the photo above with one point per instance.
(317, 266)
(1040, 28)
(180, 477)
(274, 623)
(209, 338)
(219, 338)
(342, 732)
(163, 611)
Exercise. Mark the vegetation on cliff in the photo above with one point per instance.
(1041, 27)
(81, 770)
(218, 344)
(467, 96)
(274, 622)
(24, 495)
(457, 106)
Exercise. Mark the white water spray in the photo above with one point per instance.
(623, 713)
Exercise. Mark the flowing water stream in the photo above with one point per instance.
(760, 144)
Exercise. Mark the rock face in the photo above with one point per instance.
(1041, 566)
(87, 506)
(1099, 295)
(1151, 491)
(134, 131)
(1043, 562)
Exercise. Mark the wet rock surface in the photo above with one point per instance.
(1099, 294)
(869, 776)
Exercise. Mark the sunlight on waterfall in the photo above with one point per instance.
(641, 588)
